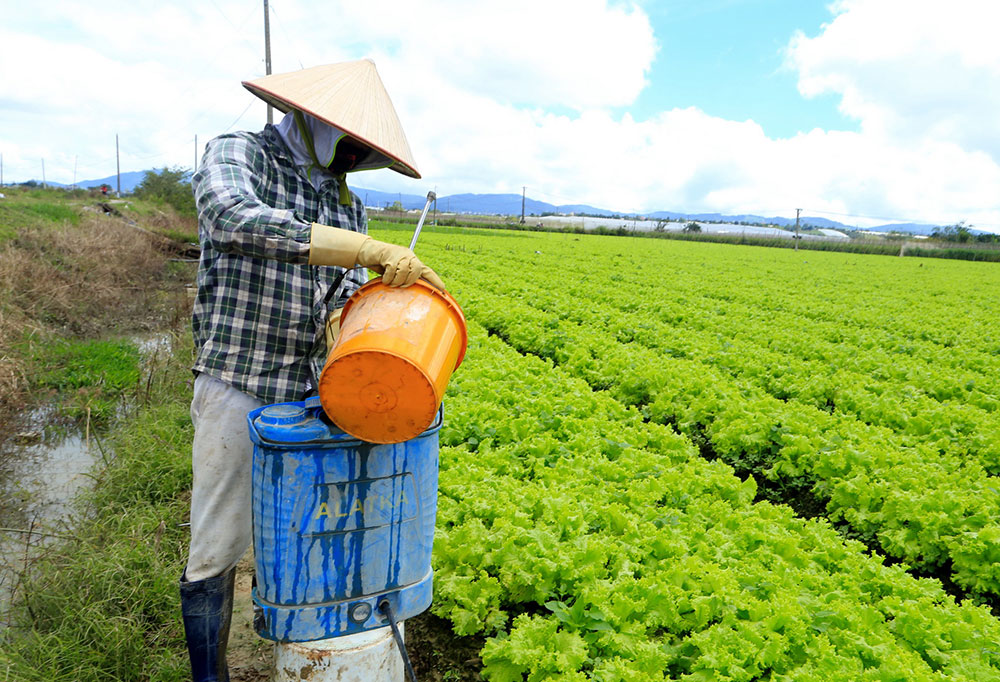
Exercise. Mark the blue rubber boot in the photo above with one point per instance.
(207, 606)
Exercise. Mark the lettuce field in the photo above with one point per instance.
(667, 460)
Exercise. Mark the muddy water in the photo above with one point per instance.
(41, 470)
(43, 466)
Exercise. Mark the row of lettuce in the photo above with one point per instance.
(593, 545)
(934, 508)
(591, 541)
(916, 388)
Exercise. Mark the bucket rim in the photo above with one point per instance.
(449, 300)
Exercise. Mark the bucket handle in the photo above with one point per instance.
(335, 287)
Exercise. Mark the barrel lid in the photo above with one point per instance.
(289, 423)
(281, 414)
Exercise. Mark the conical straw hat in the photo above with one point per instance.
(349, 96)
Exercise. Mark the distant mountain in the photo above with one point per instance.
(376, 199)
(130, 181)
(482, 204)
(911, 228)
(493, 204)
(580, 209)
(510, 205)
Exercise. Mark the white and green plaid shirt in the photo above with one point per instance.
(259, 313)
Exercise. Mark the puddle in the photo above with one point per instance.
(42, 469)
(152, 346)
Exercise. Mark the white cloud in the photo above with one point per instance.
(910, 69)
(496, 96)
(922, 153)
(568, 53)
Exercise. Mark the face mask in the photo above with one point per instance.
(348, 155)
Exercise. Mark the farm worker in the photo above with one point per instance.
(278, 227)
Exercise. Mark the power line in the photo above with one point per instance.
(239, 29)
(267, 56)
(253, 100)
(287, 38)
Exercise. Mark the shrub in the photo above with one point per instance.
(169, 186)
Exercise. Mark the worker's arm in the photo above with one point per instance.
(398, 266)
(231, 192)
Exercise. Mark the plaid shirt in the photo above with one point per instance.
(259, 314)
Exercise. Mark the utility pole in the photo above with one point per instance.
(267, 55)
(118, 168)
(435, 205)
(797, 212)
(196, 153)
(523, 190)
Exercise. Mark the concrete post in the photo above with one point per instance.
(370, 656)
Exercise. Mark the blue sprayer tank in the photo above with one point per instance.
(339, 525)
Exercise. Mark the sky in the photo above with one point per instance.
(862, 111)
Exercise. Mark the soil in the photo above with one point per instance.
(249, 656)
(437, 653)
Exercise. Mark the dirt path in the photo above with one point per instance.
(250, 657)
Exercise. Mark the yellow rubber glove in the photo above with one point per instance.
(398, 266)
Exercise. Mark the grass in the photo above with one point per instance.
(75, 281)
(161, 218)
(104, 605)
(33, 207)
(53, 212)
(92, 375)
(100, 604)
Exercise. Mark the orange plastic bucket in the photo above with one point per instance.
(385, 377)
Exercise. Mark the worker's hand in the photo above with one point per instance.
(397, 264)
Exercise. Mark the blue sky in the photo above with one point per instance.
(727, 57)
(871, 110)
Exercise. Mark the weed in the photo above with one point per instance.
(103, 605)
(93, 376)
(75, 280)
(54, 212)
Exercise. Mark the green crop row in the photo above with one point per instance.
(952, 422)
(595, 546)
(921, 508)
(683, 299)
(895, 310)
(936, 512)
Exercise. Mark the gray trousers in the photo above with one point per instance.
(222, 457)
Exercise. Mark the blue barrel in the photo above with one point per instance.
(339, 525)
